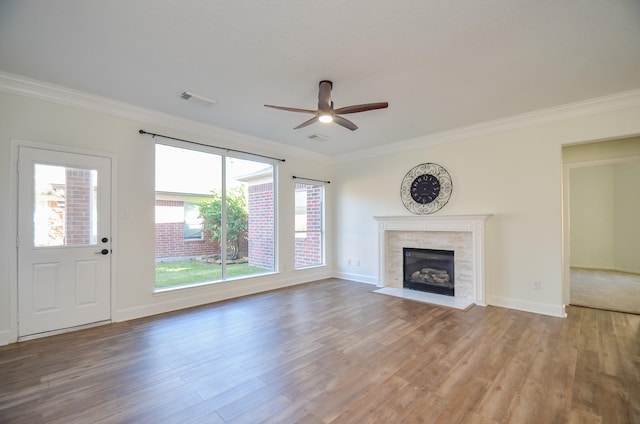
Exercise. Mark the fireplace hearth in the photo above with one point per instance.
(429, 270)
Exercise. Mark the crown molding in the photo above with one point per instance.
(624, 100)
(28, 87)
(17, 84)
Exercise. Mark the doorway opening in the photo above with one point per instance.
(602, 232)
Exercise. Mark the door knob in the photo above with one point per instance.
(103, 252)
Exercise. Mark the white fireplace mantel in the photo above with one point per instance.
(473, 224)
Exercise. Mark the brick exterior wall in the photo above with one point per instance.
(78, 207)
(261, 226)
(259, 246)
(170, 242)
(308, 250)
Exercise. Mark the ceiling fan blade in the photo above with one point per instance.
(361, 108)
(324, 95)
(292, 109)
(345, 123)
(306, 123)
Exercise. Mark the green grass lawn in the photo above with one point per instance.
(180, 273)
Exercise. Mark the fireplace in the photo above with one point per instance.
(462, 234)
(429, 270)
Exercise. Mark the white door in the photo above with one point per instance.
(64, 240)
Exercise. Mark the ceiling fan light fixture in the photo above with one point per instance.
(325, 118)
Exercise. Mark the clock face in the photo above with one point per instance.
(426, 188)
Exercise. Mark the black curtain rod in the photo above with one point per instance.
(311, 179)
(208, 145)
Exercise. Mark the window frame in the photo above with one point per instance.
(304, 234)
(224, 155)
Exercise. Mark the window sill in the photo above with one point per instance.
(310, 267)
(167, 290)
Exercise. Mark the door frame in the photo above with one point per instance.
(13, 215)
(566, 196)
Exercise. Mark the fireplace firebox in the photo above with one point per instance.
(428, 270)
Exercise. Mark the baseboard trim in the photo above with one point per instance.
(504, 302)
(526, 306)
(63, 330)
(217, 292)
(356, 277)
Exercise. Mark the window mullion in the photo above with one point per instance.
(223, 223)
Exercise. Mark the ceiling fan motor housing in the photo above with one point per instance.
(326, 113)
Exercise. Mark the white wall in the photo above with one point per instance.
(88, 127)
(592, 217)
(627, 217)
(512, 172)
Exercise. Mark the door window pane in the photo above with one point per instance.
(65, 211)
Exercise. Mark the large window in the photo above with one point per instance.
(214, 217)
(309, 225)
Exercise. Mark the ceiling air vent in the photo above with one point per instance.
(318, 137)
(189, 95)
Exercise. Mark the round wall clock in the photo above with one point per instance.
(426, 188)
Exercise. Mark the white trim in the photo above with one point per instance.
(224, 291)
(63, 330)
(594, 106)
(12, 333)
(522, 305)
(17, 84)
(356, 277)
(16, 144)
(603, 162)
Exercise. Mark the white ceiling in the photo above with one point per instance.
(441, 64)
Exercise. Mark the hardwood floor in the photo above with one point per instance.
(331, 352)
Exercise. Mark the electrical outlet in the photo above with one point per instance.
(349, 261)
(358, 262)
(535, 284)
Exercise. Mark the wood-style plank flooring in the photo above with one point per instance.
(331, 352)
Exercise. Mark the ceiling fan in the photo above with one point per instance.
(326, 112)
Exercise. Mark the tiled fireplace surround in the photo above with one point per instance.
(464, 234)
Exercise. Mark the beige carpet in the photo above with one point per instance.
(611, 290)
